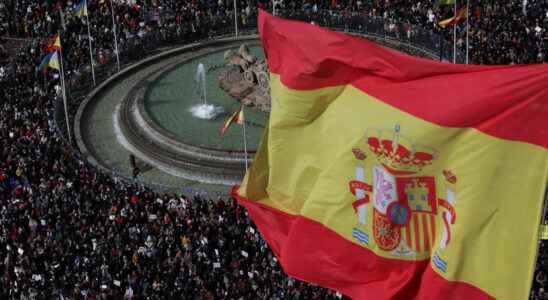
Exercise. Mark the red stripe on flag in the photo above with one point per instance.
(309, 251)
(425, 230)
(497, 100)
(417, 232)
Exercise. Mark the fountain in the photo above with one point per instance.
(203, 110)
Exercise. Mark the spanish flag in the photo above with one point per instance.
(81, 9)
(51, 60)
(54, 43)
(386, 176)
(237, 117)
(461, 15)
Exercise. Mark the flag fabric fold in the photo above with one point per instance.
(386, 176)
(460, 16)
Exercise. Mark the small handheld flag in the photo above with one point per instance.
(81, 9)
(461, 15)
(51, 60)
(54, 43)
(237, 117)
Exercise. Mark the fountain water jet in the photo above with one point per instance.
(204, 110)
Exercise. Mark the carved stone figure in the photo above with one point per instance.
(246, 78)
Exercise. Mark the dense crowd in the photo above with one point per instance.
(501, 32)
(71, 232)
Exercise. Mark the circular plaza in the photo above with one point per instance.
(148, 111)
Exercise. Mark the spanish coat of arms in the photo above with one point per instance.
(405, 203)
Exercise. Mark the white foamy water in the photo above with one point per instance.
(206, 111)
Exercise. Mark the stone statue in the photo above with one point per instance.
(244, 53)
(234, 59)
(246, 78)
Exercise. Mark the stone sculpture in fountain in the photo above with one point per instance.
(246, 78)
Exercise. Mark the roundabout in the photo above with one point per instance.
(149, 110)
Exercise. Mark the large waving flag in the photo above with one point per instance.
(386, 176)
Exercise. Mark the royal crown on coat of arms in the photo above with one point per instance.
(397, 153)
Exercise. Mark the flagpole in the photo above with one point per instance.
(245, 140)
(441, 46)
(63, 87)
(115, 36)
(62, 16)
(467, 30)
(236, 17)
(455, 35)
(89, 40)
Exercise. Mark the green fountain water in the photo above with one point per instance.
(171, 97)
